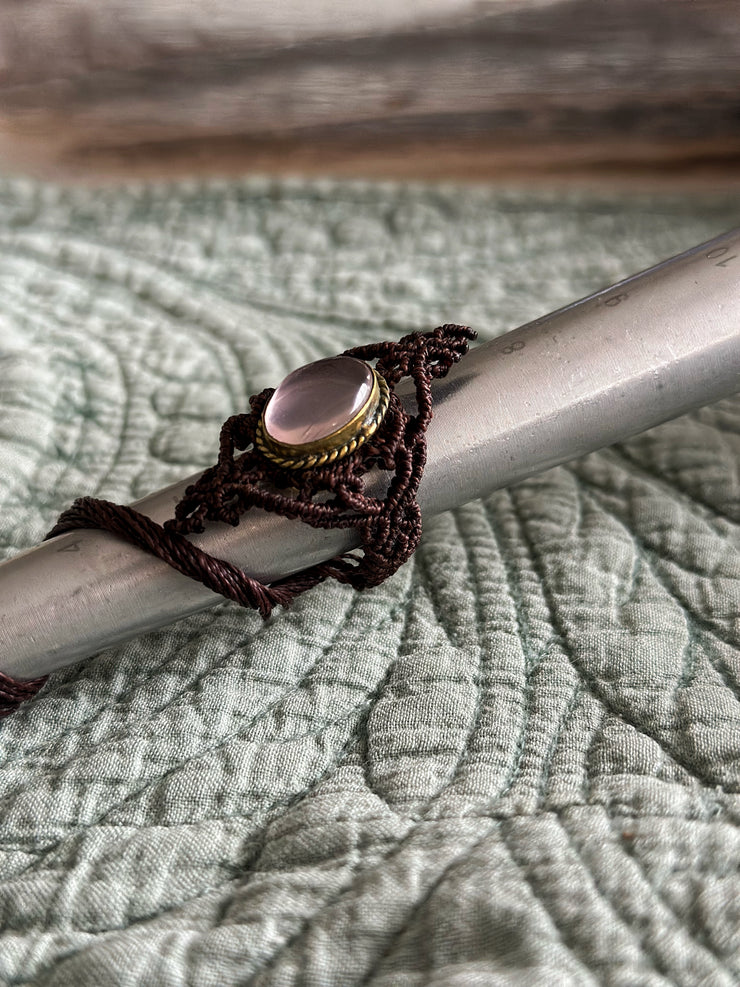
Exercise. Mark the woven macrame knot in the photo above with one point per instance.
(328, 496)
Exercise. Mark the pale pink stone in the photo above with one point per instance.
(317, 399)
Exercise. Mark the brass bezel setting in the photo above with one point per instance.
(339, 444)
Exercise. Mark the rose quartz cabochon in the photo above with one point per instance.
(316, 400)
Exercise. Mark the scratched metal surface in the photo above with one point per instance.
(515, 762)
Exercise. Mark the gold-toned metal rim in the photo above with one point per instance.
(336, 446)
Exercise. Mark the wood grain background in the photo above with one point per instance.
(456, 88)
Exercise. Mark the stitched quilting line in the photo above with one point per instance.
(646, 948)
(567, 936)
(426, 584)
(599, 693)
(608, 497)
(207, 328)
(485, 660)
(547, 762)
(35, 481)
(358, 875)
(533, 665)
(362, 724)
(421, 903)
(648, 551)
(684, 923)
(21, 753)
(688, 669)
(441, 750)
(477, 675)
(457, 861)
(652, 558)
(424, 818)
(630, 816)
(202, 753)
(622, 910)
(715, 813)
(559, 642)
(701, 516)
(703, 509)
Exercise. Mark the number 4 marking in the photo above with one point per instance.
(74, 546)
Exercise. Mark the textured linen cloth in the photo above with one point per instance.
(515, 762)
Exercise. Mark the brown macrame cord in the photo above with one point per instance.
(389, 527)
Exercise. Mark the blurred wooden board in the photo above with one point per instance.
(440, 88)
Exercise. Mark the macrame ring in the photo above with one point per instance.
(323, 487)
(337, 444)
(389, 528)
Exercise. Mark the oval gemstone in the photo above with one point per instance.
(318, 399)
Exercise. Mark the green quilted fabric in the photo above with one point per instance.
(516, 762)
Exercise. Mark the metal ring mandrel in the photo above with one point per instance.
(604, 368)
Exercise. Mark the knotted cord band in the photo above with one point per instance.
(389, 527)
(13, 692)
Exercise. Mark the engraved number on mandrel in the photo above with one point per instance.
(74, 546)
(720, 252)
